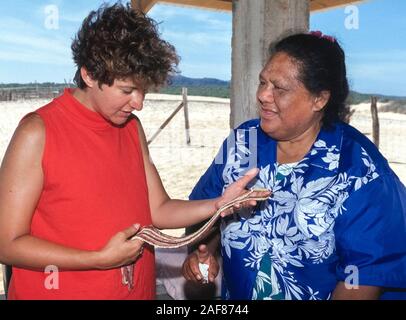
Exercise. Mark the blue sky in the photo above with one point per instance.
(36, 47)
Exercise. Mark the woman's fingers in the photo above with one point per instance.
(194, 266)
(249, 175)
(214, 269)
(138, 248)
(120, 250)
(248, 203)
(134, 247)
(131, 231)
(190, 268)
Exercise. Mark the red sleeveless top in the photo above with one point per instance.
(94, 186)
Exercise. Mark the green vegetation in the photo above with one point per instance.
(356, 97)
(205, 91)
(206, 87)
(217, 88)
(397, 106)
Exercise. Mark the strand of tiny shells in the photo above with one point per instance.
(158, 239)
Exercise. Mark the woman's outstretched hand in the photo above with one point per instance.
(237, 189)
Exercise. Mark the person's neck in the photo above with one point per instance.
(294, 150)
(82, 95)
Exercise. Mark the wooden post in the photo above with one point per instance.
(165, 123)
(143, 5)
(375, 121)
(186, 111)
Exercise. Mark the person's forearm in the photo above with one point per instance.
(179, 213)
(33, 253)
(360, 293)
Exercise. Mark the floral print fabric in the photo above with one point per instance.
(329, 217)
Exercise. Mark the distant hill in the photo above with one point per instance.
(356, 97)
(207, 87)
(211, 87)
(186, 82)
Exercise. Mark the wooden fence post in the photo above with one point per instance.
(375, 121)
(186, 111)
(165, 123)
(183, 104)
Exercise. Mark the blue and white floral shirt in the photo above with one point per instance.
(337, 215)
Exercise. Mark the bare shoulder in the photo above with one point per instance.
(28, 139)
(32, 126)
(31, 130)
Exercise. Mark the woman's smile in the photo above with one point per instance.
(267, 113)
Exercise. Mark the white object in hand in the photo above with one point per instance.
(204, 270)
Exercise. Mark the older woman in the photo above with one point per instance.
(335, 226)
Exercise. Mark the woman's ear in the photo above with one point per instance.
(321, 100)
(87, 78)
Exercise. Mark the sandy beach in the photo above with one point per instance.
(180, 165)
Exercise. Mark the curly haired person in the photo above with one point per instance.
(77, 183)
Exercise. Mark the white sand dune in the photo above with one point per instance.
(179, 165)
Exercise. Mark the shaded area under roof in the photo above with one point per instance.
(226, 5)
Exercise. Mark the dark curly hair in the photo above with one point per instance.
(321, 63)
(117, 42)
